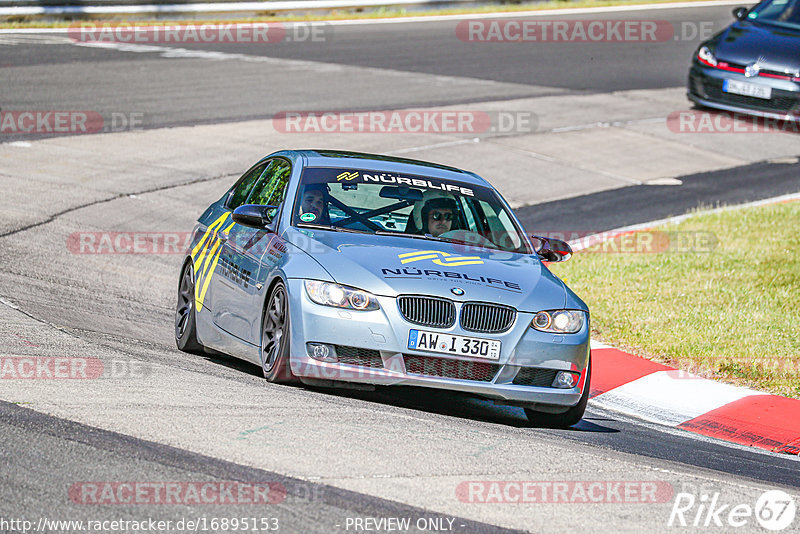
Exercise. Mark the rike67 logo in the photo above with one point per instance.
(774, 510)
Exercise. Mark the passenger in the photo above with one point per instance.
(438, 215)
(417, 224)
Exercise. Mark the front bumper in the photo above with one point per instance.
(705, 89)
(383, 334)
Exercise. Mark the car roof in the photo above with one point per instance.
(362, 160)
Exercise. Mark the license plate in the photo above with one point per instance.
(747, 89)
(455, 345)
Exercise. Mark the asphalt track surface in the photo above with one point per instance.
(305, 507)
(608, 210)
(124, 309)
(184, 91)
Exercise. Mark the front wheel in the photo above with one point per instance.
(275, 337)
(564, 419)
(185, 323)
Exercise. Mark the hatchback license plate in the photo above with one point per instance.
(747, 89)
(455, 345)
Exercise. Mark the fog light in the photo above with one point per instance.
(565, 380)
(322, 352)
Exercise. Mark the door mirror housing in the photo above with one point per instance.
(254, 215)
(740, 13)
(550, 249)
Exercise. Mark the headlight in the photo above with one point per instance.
(706, 57)
(329, 294)
(559, 321)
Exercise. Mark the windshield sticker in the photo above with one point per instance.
(439, 258)
(308, 217)
(347, 176)
(416, 182)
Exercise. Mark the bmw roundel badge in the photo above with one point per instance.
(457, 291)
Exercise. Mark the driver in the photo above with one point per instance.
(314, 202)
(438, 215)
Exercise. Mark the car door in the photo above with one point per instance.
(218, 220)
(236, 290)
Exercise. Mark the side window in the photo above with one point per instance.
(271, 188)
(245, 184)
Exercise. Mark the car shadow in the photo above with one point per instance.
(453, 404)
(230, 362)
(434, 401)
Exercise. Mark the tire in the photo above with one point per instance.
(185, 323)
(275, 337)
(565, 419)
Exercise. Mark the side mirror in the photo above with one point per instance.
(550, 249)
(740, 13)
(254, 215)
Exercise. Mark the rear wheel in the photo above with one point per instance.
(275, 337)
(185, 324)
(564, 419)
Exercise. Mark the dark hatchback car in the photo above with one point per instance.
(753, 66)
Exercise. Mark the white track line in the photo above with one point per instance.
(671, 397)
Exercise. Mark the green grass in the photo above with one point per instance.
(730, 313)
(18, 22)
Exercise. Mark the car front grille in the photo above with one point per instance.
(360, 357)
(448, 368)
(534, 376)
(761, 72)
(781, 101)
(428, 311)
(487, 318)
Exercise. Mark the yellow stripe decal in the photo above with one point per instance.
(208, 280)
(439, 258)
(457, 263)
(209, 257)
(202, 273)
(206, 236)
(418, 258)
(208, 267)
(420, 252)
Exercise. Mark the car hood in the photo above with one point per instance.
(745, 42)
(390, 266)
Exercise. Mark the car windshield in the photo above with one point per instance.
(781, 12)
(398, 204)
